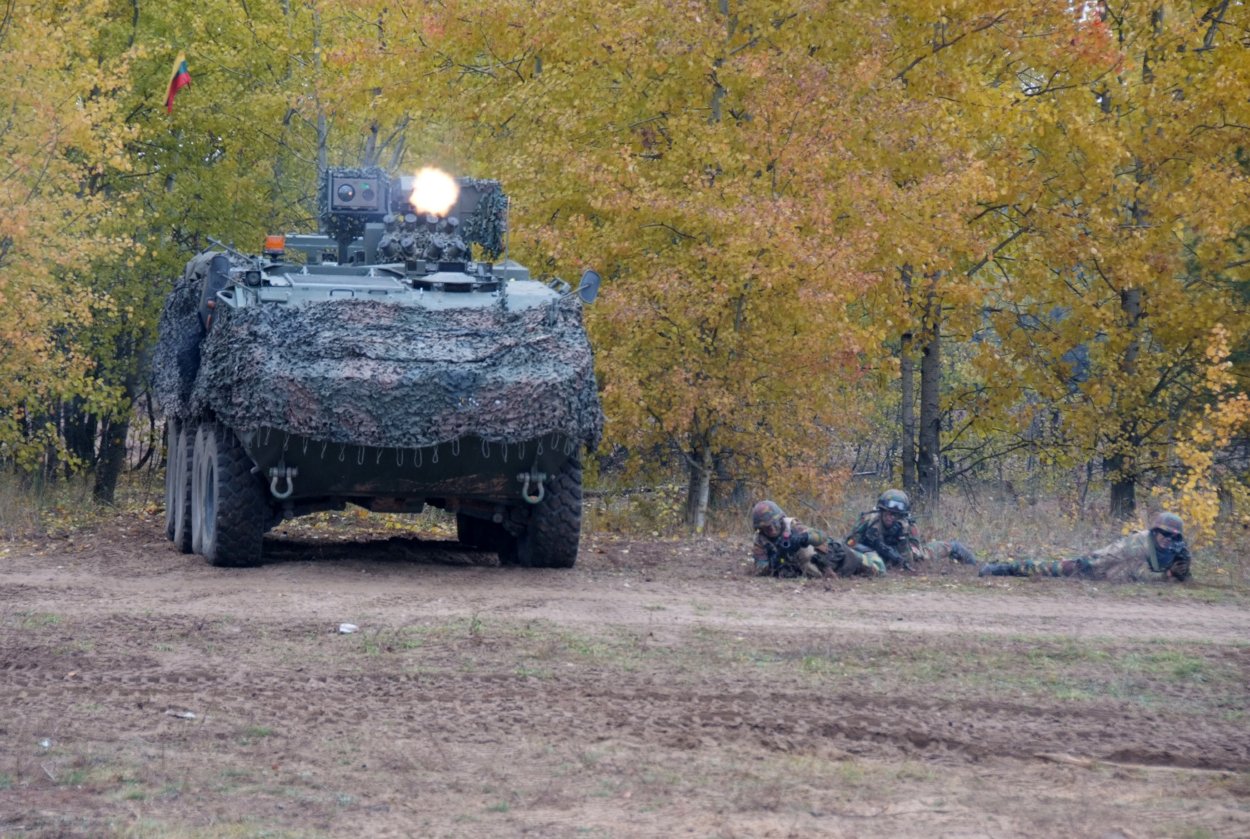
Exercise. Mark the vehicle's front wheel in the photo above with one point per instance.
(171, 474)
(178, 484)
(551, 538)
(228, 502)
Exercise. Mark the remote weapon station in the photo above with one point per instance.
(393, 361)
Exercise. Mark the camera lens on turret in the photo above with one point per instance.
(346, 192)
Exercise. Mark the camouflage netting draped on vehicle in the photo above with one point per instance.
(376, 374)
(177, 355)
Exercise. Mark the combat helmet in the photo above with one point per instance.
(894, 501)
(766, 513)
(1167, 523)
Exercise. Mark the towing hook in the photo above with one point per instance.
(525, 478)
(280, 473)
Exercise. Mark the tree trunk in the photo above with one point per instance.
(698, 488)
(1121, 466)
(928, 467)
(112, 458)
(907, 408)
(80, 430)
(1123, 488)
(908, 415)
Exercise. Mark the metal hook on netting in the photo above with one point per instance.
(268, 431)
(324, 446)
(360, 457)
(286, 441)
(416, 458)
(306, 441)
(379, 457)
(455, 447)
(569, 446)
(399, 456)
(505, 452)
(342, 451)
(486, 448)
(434, 456)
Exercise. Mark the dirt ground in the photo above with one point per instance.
(653, 690)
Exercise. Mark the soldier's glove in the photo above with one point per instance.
(794, 541)
(891, 556)
(1179, 568)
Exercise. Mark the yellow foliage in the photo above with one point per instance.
(1194, 490)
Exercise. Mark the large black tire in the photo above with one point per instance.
(228, 502)
(551, 538)
(171, 473)
(178, 484)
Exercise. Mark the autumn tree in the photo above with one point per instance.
(61, 134)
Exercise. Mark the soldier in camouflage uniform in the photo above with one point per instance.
(1159, 553)
(785, 548)
(887, 536)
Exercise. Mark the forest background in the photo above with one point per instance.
(935, 244)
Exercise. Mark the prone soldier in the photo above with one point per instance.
(887, 536)
(785, 548)
(1157, 553)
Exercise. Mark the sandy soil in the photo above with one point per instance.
(654, 690)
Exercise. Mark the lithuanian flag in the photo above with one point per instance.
(178, 79)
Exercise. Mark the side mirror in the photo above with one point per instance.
(588, 288)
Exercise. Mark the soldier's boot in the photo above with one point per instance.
(1001, 569)
(1079, 567)
(961, 553)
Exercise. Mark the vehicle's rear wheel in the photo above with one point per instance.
(227, 501)
(551, 538)
(178, 484)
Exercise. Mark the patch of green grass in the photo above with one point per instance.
(500, 807)
(524, 672)
(75, 777)
(149, 828)
(37, 620)
(253, 733)
(850, 773)
(1191, 832)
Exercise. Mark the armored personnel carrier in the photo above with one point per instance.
(395, 360)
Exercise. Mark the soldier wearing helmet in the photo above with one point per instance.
(785, 548)
(1157, 553)
(887, 536)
